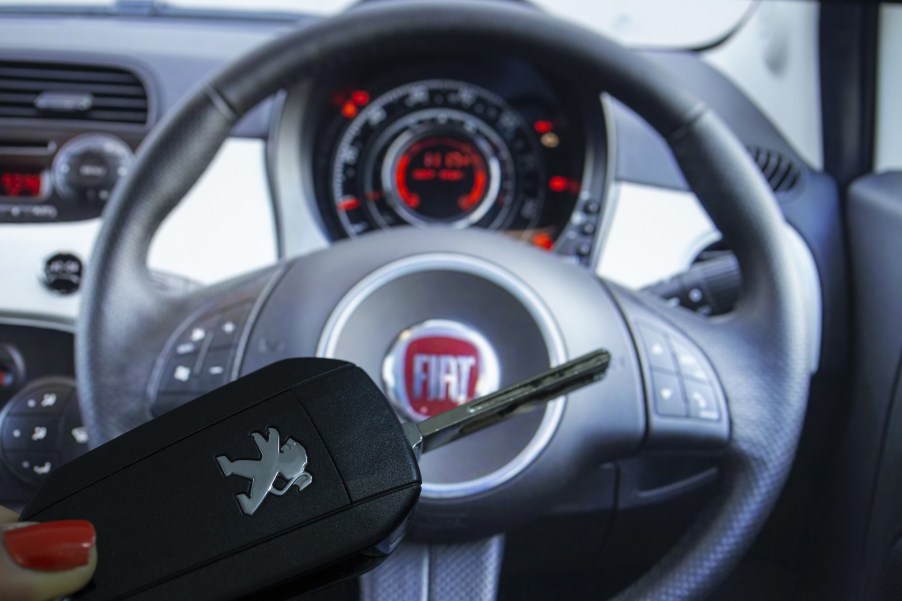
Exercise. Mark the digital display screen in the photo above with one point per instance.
(20, 183)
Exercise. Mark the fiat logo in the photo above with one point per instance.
(438, 365)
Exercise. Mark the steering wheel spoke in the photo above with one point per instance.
(206, 342)
(685, 399)
(168, 349)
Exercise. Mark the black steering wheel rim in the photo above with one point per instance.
(765, 378)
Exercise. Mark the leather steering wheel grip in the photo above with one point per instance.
(758, 351)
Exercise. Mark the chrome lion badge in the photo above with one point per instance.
(288, 461)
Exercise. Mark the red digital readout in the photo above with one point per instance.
(20, 184)
(349, 203)
(543, 241)
(443, 170)
(559, 183)
(543, 127)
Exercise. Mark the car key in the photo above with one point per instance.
(283, 481)
(479, 413)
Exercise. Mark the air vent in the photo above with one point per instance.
(780, 172)
(73, 92)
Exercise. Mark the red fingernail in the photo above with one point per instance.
(52, 546)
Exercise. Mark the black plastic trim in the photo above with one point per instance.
(849, 34)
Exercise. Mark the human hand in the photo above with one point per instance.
(44, 561)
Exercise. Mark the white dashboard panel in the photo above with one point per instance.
(224, 227)
(888, 146)
(654, 233)
(24, 249)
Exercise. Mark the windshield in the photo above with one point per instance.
(633, 22)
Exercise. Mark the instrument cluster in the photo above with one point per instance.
(501, 147)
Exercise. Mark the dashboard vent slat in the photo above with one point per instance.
(77, 74)
(781, 172)
(110, 94)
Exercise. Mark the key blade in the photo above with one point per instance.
(482, 412)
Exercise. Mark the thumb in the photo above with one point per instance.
(45, 561)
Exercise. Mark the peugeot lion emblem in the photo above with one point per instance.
(288, 461)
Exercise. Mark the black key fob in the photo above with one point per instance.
(283, 481)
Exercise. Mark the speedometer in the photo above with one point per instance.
(454, 144)
(437, 153)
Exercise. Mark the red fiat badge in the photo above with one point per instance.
(438, 365)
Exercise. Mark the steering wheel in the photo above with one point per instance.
(740, 380)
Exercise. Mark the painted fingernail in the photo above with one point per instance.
(51, 546)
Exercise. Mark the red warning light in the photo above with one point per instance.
(543, 241)
(351, 103)
(558, 184)
(349, 110)
(349, 203)
(360, 97)
(543, 127)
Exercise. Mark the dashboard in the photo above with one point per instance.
(460, 141)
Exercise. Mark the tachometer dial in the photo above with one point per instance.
(437, 153)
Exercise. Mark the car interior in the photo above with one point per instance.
(455, 196)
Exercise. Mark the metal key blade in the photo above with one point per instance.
(477, 414)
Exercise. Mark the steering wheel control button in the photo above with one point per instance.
(179, 375)
(62, 273)
(668, 395)
(691, 365)
(229, 326)
(42, 400)
(202, 356)
(186, 348)
(195, 336)
(21, 433)
(194, 339)
(32, 467)
(438, 365)
(703, 403)
(657, 349)
(687, 407)
(216, 369)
